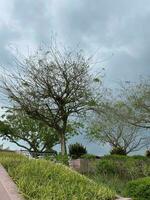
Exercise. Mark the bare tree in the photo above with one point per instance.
(51, 86)
(136, 97)
(109, 128)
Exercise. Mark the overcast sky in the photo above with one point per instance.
(118, 30)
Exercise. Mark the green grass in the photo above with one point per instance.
(113, 182)
(44, 180)
(116, 171)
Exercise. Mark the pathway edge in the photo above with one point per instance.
(9, 185)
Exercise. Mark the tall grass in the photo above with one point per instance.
(44, 180)
(116, 171)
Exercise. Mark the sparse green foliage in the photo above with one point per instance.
(137, 98)
(108, 127)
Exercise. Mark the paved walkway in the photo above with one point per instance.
(3, 193)
(8, 190)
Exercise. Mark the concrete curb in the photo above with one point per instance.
(122, 198)
(9, 187)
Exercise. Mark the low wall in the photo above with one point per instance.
(82, 165)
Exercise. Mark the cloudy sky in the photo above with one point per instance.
(117, 30)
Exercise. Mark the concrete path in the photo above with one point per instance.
(3, 193)
(8, 190)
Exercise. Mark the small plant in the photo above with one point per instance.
(106, 167)
(118, 151)
(62, 159)
(88, 156)
(139, 189)
(148, 153)
(77, 150)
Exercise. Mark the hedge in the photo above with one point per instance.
(126, 167)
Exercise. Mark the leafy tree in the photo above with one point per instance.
(27, 133)
(52, 86)
(109, 128)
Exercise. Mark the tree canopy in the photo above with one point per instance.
(109, 128)
(52, 86)
(137, 99)
(27, 133)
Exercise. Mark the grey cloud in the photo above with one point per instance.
(97, 21)
(7, 36)
(33, 18)
(118, 27)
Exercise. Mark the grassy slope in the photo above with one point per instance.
(44, 180)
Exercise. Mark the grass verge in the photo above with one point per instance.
(44, 180)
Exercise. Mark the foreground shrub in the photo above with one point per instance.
(139, 189)
(77, 150)
(45, 180)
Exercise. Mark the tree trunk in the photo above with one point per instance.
(63, 145)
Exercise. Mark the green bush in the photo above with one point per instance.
(106, 167)
(124, 166)
(77, 150)
(118, 151)
(148, 153)
(88, 156)
(62, 159)
(139, 157)
(139, 189)
(44, 180)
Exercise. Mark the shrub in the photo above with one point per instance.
(139, 189)
(118, 151)
(106, 167)
(62, 159)
(139, 157)
(77, 150)
(88, 156)
(42, 179)
(148, 153)
(124, 166)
